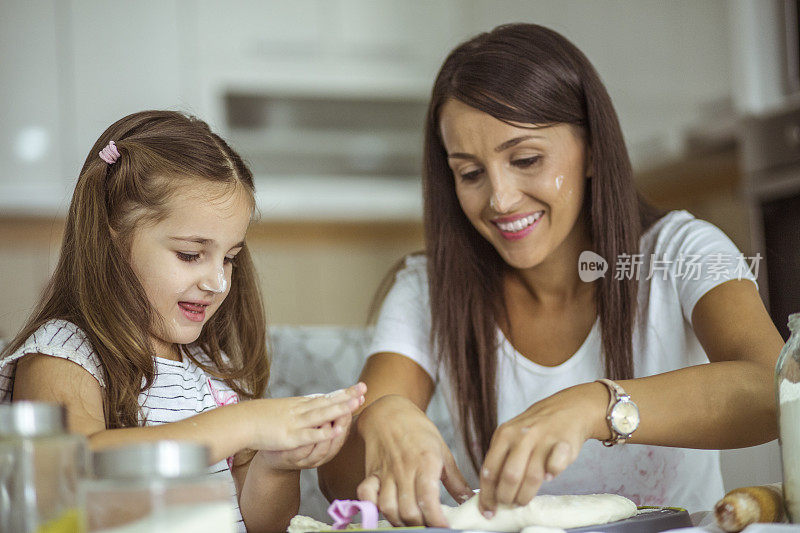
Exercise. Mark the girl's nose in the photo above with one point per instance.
(215, 282)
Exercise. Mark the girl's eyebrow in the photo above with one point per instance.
(203, 241)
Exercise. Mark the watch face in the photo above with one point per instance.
(625, 417)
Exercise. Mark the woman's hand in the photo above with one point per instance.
(292, 424)
(310, 455)
(405, 460)
(540, 443)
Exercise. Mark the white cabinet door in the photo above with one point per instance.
(415, 32)
(252, 30)
(31, 128)
(325, 46)
(126, 57)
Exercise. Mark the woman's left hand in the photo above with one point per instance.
(540, 443)
(311, 455)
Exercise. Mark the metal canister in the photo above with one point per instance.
(156, 486)
(40, 468)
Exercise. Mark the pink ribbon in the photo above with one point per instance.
(220, 399)
(343, 511)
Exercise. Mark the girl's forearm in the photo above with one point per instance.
(220, 429)
(268, 499)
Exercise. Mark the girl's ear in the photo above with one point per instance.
(116, 240)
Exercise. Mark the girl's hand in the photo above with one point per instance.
(310, 455)
(405, 460)
(540, 443)
(283, 424)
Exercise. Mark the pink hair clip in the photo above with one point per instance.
(110, 154)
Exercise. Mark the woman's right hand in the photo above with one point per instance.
(406, 459)
(281, 424)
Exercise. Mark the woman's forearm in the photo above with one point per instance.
(720, 405)
(340, 477)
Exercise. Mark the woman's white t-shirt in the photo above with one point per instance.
(681, 258)
(180, 389)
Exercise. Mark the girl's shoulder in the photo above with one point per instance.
(56, 338)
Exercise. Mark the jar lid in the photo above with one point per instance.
(164, 459)
(794, 322)
(32, 419)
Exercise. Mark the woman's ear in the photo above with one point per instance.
(589, 164)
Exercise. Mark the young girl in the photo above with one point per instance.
(152, 326)
(526, 180)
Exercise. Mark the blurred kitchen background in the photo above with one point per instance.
(325, 99)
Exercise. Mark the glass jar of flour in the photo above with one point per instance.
(787, 382)
(159, 486)
(40, 467)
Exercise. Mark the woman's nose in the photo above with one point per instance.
(214, 281)
(505, 195)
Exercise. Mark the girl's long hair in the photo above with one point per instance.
(521, 73)
(95, 288)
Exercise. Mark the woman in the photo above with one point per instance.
(526, 176)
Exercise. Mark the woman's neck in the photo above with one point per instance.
(556, 280)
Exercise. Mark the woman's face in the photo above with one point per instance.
(185, 261)
(521, 188)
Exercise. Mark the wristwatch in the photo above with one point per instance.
(622, 414)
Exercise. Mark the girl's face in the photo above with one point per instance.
(521, 188)
(185, 262)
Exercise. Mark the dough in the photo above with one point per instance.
(300, 523)
(548, 511)
(544, 514)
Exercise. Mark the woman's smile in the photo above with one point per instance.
(517, 227)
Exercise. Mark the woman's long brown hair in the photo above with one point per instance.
(95, 288)
(521, 74)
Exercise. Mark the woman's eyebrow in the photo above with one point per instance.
(515, 141)
(502, 146)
